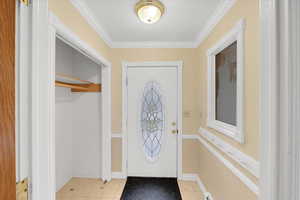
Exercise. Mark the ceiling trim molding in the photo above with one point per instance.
(219, 13)
(87, 14)
(153, 44)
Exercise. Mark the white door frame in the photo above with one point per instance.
(23, 87)
(57, 29)
(268, 103)
(126, 65)
(289, 97)
(280, 32)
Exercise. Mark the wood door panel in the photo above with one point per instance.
(7, 100)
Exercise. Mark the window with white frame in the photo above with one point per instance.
(226, 84)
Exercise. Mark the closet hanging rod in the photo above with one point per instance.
(69, 79)
(70, 85)
(76, 84)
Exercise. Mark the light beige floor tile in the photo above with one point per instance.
(190, 190)
(95, 189)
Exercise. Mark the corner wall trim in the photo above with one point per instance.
(243, 178)
(241, 158)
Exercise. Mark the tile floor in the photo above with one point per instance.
(94, 189)
(190, 190)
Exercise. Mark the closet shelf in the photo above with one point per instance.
(75, 84)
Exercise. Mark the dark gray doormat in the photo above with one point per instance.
(137, 188)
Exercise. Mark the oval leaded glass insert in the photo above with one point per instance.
(152, 120)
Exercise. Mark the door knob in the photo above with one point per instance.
(175, 132)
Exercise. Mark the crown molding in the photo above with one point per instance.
(153, 44)
(219, 13)
(87, 14)
(69, 37)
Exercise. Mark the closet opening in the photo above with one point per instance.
(78, 120)
(71, 134)
(81, 117)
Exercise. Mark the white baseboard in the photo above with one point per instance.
(189, 177)
(118, 175)
(196, 178)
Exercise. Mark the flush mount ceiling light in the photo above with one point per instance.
(149, 11)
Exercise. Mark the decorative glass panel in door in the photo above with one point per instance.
(152, 120)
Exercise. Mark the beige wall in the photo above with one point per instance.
(116, 154)
(196, 159)
(219, 181)
(190, 64)
(70, 16)
(217, 178)
(250, 11)
(190, 100)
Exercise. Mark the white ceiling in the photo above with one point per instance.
(183, 21)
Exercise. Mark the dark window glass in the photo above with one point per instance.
(226, 80)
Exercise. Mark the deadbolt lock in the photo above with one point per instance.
(173, 123)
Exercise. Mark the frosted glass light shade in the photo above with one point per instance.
(149, 11)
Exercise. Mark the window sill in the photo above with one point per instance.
(227, 129)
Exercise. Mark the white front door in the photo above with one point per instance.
(152, 121)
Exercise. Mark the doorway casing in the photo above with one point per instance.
(59, 30)
(125, 65)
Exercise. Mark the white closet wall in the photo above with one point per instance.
(63, 119)
(86, 121)
(78, 119)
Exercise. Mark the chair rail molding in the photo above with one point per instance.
(117, 135)
(246, 180)
(241, 158)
